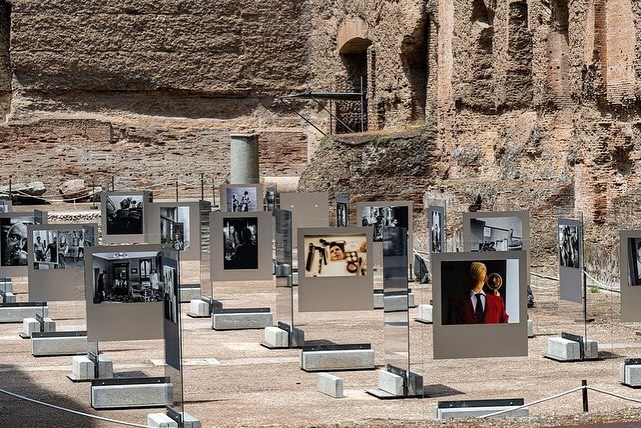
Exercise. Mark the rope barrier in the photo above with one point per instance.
(542, 400)
(634, 400)
(75, 412)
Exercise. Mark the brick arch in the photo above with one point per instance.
(353, 36)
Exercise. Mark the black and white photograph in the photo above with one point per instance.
(569, 246)
(335, 255)
(270, 198)
(634, 260)
(170, 278)
(5, 206)
(175, 227)
(342, 212)
(60, 249)
(241, 198)
(13, 237)
(124, 214)
(496, 233)
(240, 243)
(120, 277)
(436, 224)
(380, 216)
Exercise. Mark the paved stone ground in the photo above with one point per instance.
(230, 380)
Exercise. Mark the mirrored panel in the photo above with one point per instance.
(170, 268)
(396, 298)
(283, 267)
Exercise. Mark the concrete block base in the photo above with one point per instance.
(8, 297)
(563, 349)
(131, 395)
(83, 369)
(198, 309)
(187, 294)
(394, 303)
(160, 420)
(472, 412)
(591, 351)
(344, 359)
(330, 385)
(190, 421)
(390, 383)
(424, 314)
(15, 314)
(63, 345)
(276, 337)
(630, 375)
(241, 320)
(31, 325)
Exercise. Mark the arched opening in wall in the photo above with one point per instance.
(351, 115)
(559, 48)
(414, 57)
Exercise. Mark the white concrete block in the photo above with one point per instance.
(472, 412)
(9, 297)
(67, 345)
(276, 337)
(622, 377)
(241, 320)
(29, 325)
(6, 286)
(131, 396)
(530, 328)
(591, 350)
(82, 368)
(390, 382)
(631, 375)
(187, 294)
(199, 308)
(337, 360)
(105, 367)
(425, 313)
(563, 349)
(330, 385)
(18, 313)
(160, 420)
(190, 421)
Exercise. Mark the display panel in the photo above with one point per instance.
(336, 277)
(124, 217)
(5, 206)
(570, 253)
(57, 260)
(14, 242)
(436, 226)
(496, 231)
(630, 268)
(176, 225)
(125, 287)
(241, 197)
(377, 215)
(241, 246)
(308, 210)
(499, 329)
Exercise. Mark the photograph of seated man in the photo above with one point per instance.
(481, 301)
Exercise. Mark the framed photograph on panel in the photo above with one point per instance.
(121, 304)
(436, 225)
(241, 198)
(241, 246)
(496, 231)
(630, 274)
(176, 225)
(269, 200)
(335, 276)
(570, 247)
(124, 217)
(379, 214)
(14, 241)
(5, 206)
(342, 211)
(309, 209)
(480, 304)
(57, 260)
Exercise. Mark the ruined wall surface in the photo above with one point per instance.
(165, 82)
